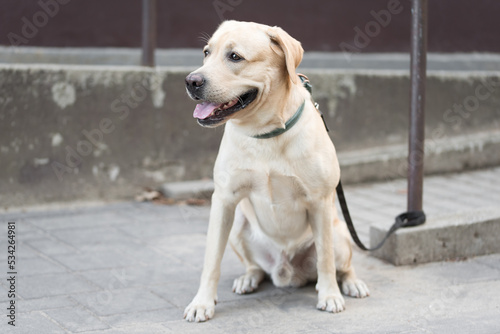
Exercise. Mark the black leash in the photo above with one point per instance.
(406, 219)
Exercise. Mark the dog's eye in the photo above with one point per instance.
(205, 53)
(235, 57)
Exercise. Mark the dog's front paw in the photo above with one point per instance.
(355, 288)
(200, 310)
(331, 303)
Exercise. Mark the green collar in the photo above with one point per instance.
(288, 125)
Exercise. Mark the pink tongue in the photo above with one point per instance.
(203, 110)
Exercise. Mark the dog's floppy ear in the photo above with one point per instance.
(291, 48)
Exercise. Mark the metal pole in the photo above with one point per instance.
(148, 32)
(417, 103)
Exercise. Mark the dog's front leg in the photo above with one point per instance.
(202, 307)
(329, 297)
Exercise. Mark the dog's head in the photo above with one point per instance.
(246, 65)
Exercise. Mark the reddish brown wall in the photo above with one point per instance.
(454, 25)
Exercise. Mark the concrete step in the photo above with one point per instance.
(442, 155)
(447, 237)
(445, 155)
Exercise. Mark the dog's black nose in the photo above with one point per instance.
(194, 81)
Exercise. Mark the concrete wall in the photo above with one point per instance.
(91, 132)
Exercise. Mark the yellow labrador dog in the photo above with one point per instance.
(275, 174)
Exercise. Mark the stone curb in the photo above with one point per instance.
(444, 155)
(385, 163)
(449, 237)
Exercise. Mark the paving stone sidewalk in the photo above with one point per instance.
(133, 267)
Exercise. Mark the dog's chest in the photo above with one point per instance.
(279, 202)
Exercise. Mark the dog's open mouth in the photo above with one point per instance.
(209, 113)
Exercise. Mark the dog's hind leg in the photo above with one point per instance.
(254, 274)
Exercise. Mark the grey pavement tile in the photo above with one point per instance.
(473, 201)
(355, 206)
(444, 203)
(471, 323)
(25, 251)
(160, 213)
(3, 294)
(459, 197)
(33, 323)
(147, 231)
(464, 194)
(42, 304)
(189, 247)
(359, 211)
(48, 285)
(193, 212)
(362, 217)
(143, 318)
(25, 231)
(298, 300)
(95, 260)
(390, 207)
(252, 316)
(363, 316)
(244, 314)
(109, 302)
(22, 226)
(37, 266)
(465, 186)
(51, 246)
(82, 238)
(376, 217)
(362, 222)
(455, 300)
(492, 261)
(76, 319)
(180, 294)
(431, 204)
(77, 221)
(184, 327)
(70, 209)
(438, 182)
(359, 198)
(408, 303)
(150, 329)
(170, 271)
(460, 272)
(443, 195)
(488, 180)
(135, 253)
(190, 250)
(158, 252)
